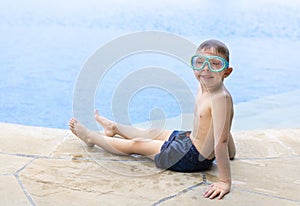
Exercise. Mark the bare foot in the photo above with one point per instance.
(80, 131)
(110, 128)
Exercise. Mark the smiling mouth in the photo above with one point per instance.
(206, 77)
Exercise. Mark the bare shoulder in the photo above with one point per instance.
(223, 96)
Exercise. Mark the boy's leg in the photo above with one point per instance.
(129, 132)
(118, 146)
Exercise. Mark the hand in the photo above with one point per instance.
(217, 189)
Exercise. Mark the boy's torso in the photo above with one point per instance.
(202, 134)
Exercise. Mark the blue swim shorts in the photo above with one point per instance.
(179, 154)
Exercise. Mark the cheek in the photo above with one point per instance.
(197, 74)
(218, 76)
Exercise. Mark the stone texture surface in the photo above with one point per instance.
(42, 166)
(17, 139)
(11, 192)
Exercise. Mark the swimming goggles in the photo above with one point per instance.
(215, 63)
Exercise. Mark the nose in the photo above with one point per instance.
(206, 68)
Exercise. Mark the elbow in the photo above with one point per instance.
(224, 147)
(222, 143)
(231, 155)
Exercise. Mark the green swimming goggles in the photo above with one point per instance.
(215, 63)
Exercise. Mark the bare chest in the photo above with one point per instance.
(203, 108)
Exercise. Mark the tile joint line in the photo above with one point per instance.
(17, 176)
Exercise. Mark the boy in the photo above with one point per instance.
(183, 151)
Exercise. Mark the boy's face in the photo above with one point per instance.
(208, 77)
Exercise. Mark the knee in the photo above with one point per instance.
(137, 145)
(132, 145)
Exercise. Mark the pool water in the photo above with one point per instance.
(44, 47)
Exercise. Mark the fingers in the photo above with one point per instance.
(211, 193)
(221, 195)
(208, 192)
(214, 191)
(214, 194)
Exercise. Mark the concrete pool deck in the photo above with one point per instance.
(43, 166)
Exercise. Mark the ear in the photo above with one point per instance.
(227, 72)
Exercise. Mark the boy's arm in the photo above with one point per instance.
(221, 117)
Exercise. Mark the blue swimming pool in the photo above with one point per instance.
(44, 47)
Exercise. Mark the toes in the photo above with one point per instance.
(72, 123)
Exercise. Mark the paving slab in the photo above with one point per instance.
(48, 180)
(267, 143)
